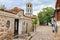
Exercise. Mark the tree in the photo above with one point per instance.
(3, 7)
(34, 21)
(45, 15)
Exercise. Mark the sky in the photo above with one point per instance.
(38, 5)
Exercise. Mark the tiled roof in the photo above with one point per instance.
(15, 10)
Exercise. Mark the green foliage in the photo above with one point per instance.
(34, 21)
(45, 15)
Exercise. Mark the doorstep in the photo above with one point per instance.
(26, 37)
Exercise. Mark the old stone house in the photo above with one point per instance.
(15, 21)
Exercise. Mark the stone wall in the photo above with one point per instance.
(3, 21)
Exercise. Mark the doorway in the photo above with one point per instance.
(16, 25)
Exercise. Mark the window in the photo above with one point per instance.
(28, 10)
(8, 24)
(28, 5)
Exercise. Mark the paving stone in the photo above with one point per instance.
(45, 33)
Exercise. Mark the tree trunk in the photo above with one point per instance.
(35, 28)
(47, 22)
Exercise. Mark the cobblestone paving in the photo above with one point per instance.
(19, 39)
(45, 33)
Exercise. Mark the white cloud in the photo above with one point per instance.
(37, 4)
(35, 12)
(40, 7)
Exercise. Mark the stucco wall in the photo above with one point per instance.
(4, 18)
(24, 21)
(3, 21)
(29, 27)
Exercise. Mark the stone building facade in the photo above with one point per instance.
(15, 21)
(7, 20)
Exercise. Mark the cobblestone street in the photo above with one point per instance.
(45, 33)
